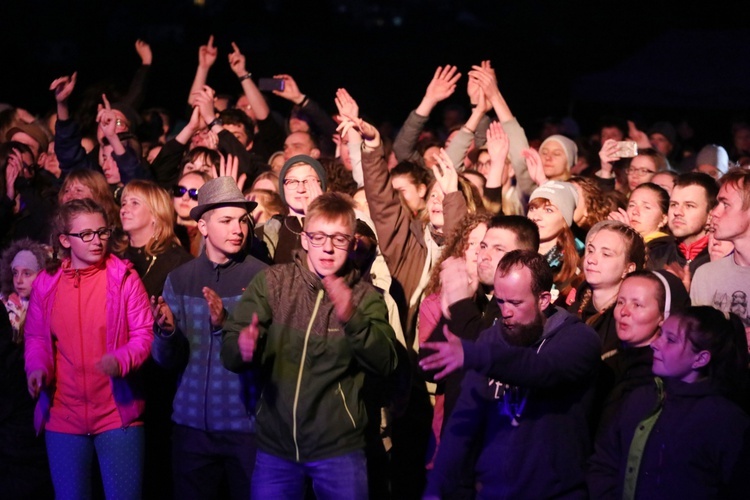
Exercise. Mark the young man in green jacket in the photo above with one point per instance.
(314, 329)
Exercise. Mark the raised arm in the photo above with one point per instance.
(347, 106)
(441, 87)
(206, 58)
(485, 77)
(238, 64)
(322, 123)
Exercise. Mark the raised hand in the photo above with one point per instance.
(445, 173)
(207, 54)
(163, 315)
(237, 61)
(368, 132)
(534, 164)
(449, 355)
(620, 215)
(639, 136)
(498, 145)
(216, 310)
(230, 168)
(204, 99)
(341, 297)
(144, 52)
(607, 156)
(455, 282)
(291, 91)
(106, 118)
(443, 84)
(248, 339)
(63, 87)
(346, 105)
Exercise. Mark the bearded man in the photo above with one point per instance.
(526, 394)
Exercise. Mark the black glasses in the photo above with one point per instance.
(179, 192)
(294, 183)
(88, 235)
(340, 241)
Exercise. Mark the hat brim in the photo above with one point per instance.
(197, 212)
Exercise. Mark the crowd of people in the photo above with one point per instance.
(244, 302)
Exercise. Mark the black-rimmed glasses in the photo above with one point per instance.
(179, 192)
(88, 235)
(340, 241)
(294, 183)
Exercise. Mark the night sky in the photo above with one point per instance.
(383, 52)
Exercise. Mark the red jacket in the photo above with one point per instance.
(129, 336)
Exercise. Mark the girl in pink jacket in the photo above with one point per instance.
(88, 329)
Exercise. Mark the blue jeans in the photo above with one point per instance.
(120, 453)
(343, 477)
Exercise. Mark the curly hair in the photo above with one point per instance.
(596, 207)
(39, 251)
(455, 245)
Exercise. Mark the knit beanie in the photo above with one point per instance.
(563, 195)
(570, 147)
(713, 155)
(666, 129)
(309, 160)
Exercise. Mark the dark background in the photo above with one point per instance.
(385, 52)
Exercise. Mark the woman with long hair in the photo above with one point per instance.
(148, 220)
(88, 329)
(682, 436)
(551, 207)
(613, 250)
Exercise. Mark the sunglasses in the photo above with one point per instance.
(179, 192)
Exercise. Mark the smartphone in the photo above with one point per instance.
(271, 84)
(627, 149)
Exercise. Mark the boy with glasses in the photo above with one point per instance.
(313, 328)
(301, 180)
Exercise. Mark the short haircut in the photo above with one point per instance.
(332, 206)
(536, 263)
(635, 248)
(739, 179)
(527, 233)
(234, 116)
(614, 122)
(705, 181)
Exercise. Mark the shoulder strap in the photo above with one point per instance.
(638, 444)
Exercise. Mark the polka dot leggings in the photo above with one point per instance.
(120, 453)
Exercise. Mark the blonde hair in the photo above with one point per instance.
(159, 203)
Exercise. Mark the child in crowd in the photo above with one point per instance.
(314, 328)
(88, 329)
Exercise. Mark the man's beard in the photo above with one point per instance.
(525, 335)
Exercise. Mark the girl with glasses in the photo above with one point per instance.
(88, 331)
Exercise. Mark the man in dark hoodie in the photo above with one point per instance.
(525, 396)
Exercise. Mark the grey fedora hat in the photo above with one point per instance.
(220, 192)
